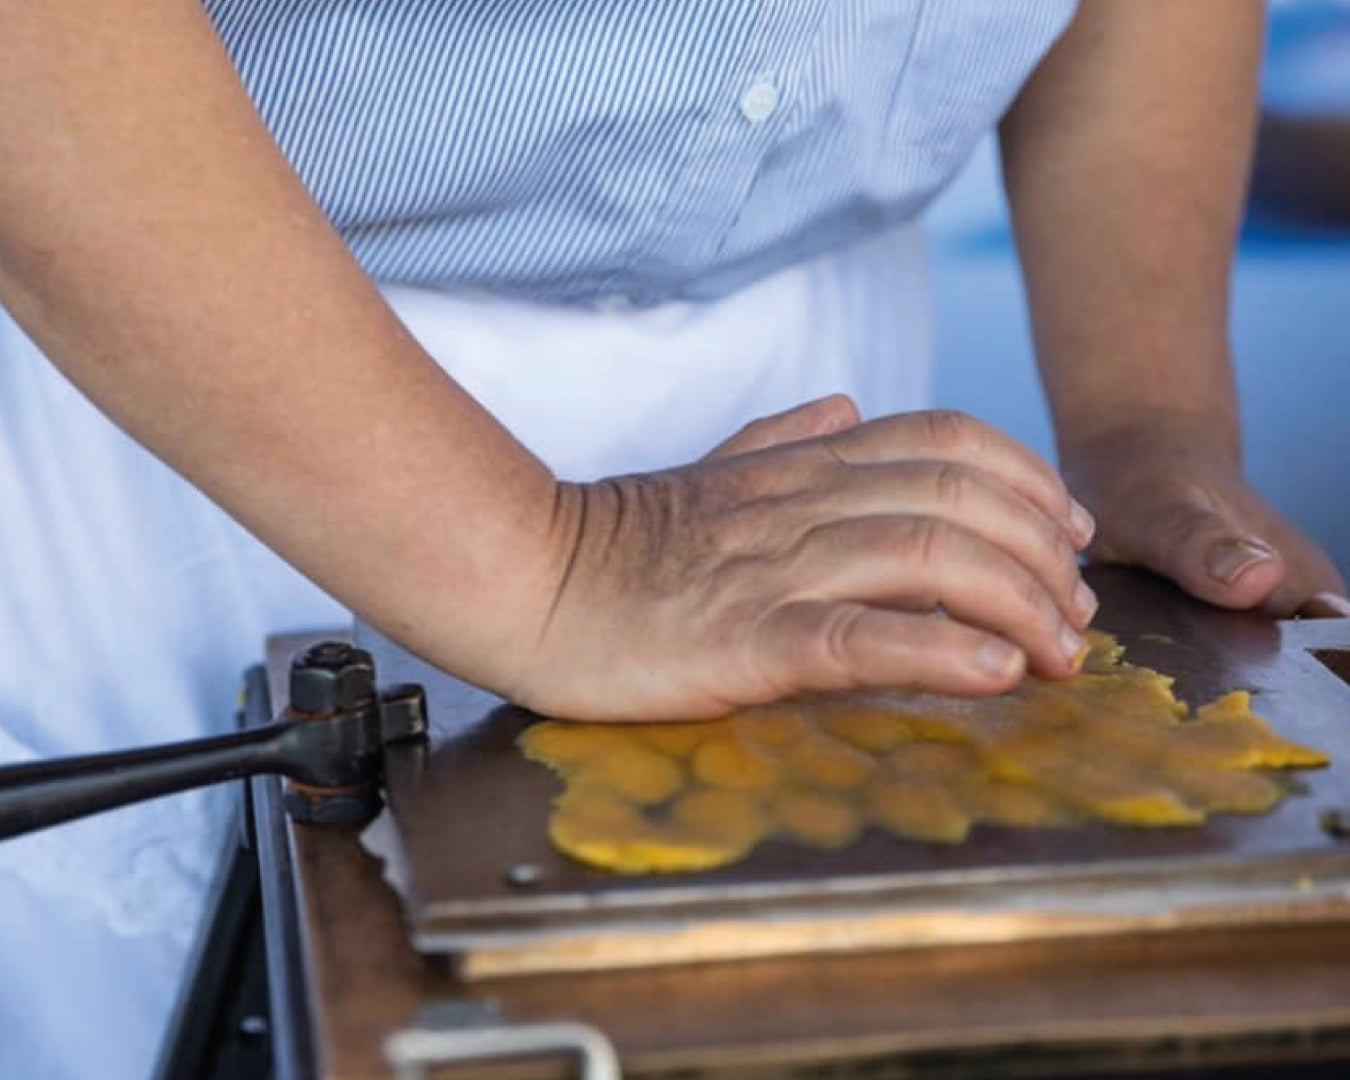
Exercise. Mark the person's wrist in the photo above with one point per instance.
(534, 573)
(569, 553)
(1114, 438)
(473, 591)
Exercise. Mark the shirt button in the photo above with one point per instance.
(759, 101)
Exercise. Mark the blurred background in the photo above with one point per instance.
(1291, 296)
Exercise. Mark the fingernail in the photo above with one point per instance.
(1072, 645)
(1230, 559)
(1083, 523)
(997, 657)
(1084, 602)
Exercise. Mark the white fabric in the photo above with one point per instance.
(594, 392)
(129, 605)
(129, 608)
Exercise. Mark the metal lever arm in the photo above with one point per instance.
(38, 794)
(329, 741)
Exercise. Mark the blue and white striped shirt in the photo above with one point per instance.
(563, 149)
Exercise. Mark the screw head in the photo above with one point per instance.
(331, 677)
(523, 875)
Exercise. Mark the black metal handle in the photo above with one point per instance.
(329, 739)
(42, 793)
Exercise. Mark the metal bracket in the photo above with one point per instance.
(455, 1032)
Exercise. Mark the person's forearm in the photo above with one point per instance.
(1125, 160)
(158, 247)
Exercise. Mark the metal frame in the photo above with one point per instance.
(293, 1052)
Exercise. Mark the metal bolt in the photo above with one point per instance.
(328, 652)
(331, 676)
(523, 875)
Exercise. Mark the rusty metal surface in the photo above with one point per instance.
(469, 808)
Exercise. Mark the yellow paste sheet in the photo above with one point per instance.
(1113, 744)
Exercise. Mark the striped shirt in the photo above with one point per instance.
(564, 150)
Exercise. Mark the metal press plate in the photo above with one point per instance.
(468, 808)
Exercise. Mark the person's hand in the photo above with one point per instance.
(1172, 498)
(813, 552)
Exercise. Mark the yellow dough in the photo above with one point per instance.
(815, 817)
(726, 762)
(922, 809)
(1112, 744)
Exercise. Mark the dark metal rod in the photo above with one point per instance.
(38, 794)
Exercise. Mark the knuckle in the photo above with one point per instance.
(835, 642)
(1067, 571)
(842, 407)
(1046, 553)
(927, 539)
(1068, 578)
(949, 429)
(1177, 526)
(1031, 597)
(951, 484)
(828, 456)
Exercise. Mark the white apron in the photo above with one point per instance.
(129, 605)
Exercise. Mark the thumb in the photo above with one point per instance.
(824, 416)
(1209, 555)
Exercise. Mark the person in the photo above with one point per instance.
(445, 304)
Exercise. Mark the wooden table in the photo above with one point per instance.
(343, 978)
